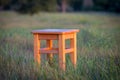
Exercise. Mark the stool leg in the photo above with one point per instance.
(49, 56)
(36, 49)
(73, 54)
(61, 44)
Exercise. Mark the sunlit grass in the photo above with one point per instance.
(97, 42)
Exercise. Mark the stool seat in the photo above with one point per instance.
(55, 34)
(55, 31)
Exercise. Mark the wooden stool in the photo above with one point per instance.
(55, 34)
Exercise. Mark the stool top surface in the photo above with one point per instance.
(55, 31)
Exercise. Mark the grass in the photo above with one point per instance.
(97, 42)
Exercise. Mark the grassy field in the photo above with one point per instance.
(98, 44)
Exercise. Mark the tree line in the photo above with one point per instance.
(33, 6)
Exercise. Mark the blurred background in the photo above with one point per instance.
(98, 42)
(33, 6)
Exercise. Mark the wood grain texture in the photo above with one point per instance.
(37, 49)
(73, 55)
(56, 34)
(50, 55)
(61, 43)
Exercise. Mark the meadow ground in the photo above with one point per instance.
(98, 43)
